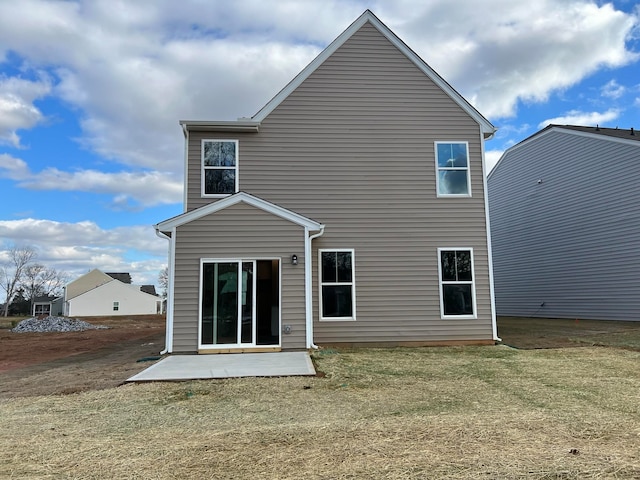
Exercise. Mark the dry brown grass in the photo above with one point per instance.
(468, 412)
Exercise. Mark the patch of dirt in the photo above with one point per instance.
(537, 333)
(59, 363)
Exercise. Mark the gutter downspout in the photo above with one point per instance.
(169, 312)
(494, 323)
(308, 282)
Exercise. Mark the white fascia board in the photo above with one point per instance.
(244, 197)
(487, 128)
(221, 126)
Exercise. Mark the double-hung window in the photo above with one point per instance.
(457, 290)
(337, 285)
(452, 165)
(219, 167)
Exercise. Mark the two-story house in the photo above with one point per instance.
(351, 209)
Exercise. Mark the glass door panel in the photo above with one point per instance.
(228, 314)
(247, 313)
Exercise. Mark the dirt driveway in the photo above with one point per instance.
(59, 363)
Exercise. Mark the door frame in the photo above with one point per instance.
(240, 347)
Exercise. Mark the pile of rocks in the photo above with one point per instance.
(54, 324)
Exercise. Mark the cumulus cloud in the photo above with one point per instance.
(523, 54)
(128, 188)
(613, 90)
(492, 157)
(17, 109)
(134, 70)
(576, 117)
(76, 248)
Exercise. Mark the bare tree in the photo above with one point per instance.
(12, 271)
(163, 281)
(38, 280)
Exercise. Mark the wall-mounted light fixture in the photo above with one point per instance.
(294, 259)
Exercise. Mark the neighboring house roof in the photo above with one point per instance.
(626, 134)
(124, 277)
(244, 197)
(150, 289)
(253, 123)
(45, 299)
(613, 134)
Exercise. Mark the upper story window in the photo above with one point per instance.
(219, 167)
(452, 165)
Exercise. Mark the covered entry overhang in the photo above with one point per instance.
(236, 270)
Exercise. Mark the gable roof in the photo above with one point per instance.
(243, 197)
(625, 134)
(253, 124)
(619, 135)
(124, 277)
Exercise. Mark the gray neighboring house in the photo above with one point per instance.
(565, 224)
(350, 209)
(47, 305)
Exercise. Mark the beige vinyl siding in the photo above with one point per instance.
(246, 232)
(88, 281)
(353, 148)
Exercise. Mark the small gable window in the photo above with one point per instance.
(116, 306)
(452, 165)
(219, 167)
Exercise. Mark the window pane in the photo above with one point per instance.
(463, 265)
(452, 182)
(219, 181)
(219, 154)
(225, 303)
(452, 155)
(329, 266)
(445, 155)
(459, 154)
(246, 333)
(457, 299)
(336, 301)
(344, 266)
(448, 266)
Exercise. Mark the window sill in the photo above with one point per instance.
(459, 317)
(337, 319)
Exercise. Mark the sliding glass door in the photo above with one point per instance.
(240, 303)
(228, 301)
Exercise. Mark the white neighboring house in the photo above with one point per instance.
(100, 294)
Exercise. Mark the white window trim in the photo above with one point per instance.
(472, 282)
(203, 169)
(438, 168)
(116, 306)
(352, 318)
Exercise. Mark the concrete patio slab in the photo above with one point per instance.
(200, 367)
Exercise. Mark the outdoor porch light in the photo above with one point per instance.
(294, 259)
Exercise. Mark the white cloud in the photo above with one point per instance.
(134, 70)
(76, 248)
(17, 110)
(613, 90)
(576, 117)
(523, 52)
(128, 188)
(492, 157)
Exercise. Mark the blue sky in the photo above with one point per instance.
(91, 92)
